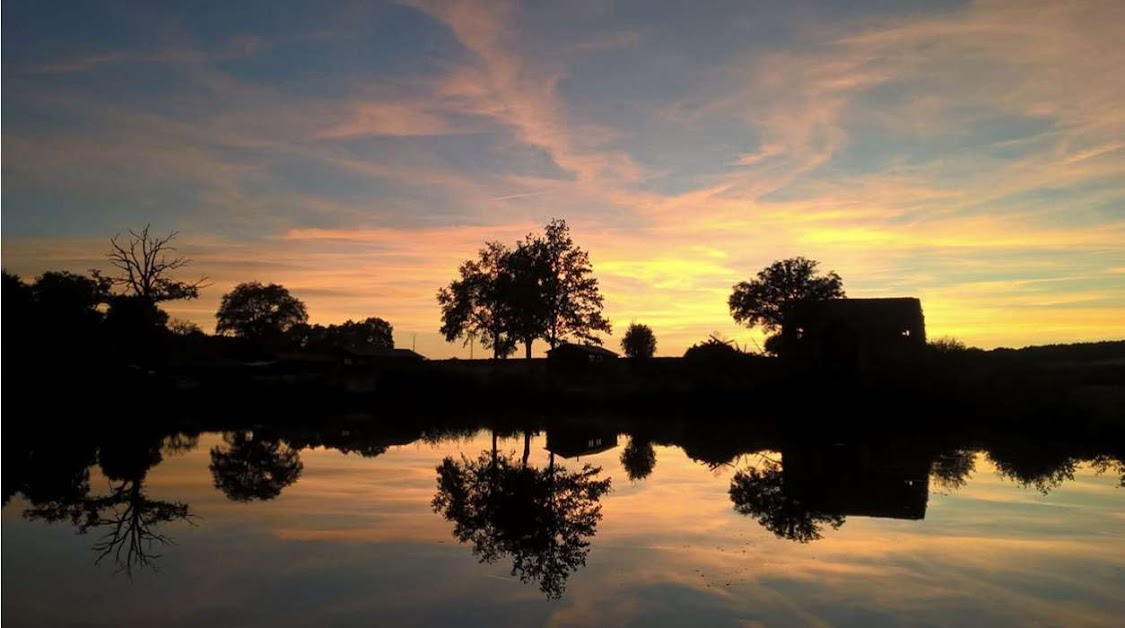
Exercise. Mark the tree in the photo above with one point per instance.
(370, 332)
(540, 518)
(475, 306)
(638, 458)
(639, 341)
(768, 300)
(252, 467)
(571, 301)
(144, 267)
(128, 516)
(181, 327)
(762, 494)
(259, 312)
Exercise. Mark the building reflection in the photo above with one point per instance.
(817, 486)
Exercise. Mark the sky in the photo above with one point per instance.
(971, 154)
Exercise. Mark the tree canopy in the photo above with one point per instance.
(762, 494)
(252, 467)
(767, 300)
(544, 288)
(474, 306)
(639, 341)
(259, 311)
(369, 332)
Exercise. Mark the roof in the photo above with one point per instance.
(370, 351)
(588, 349)
(874, 311)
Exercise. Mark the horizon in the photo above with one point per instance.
(971, 155)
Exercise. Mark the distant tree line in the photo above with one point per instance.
(541, 288)
(69, 316)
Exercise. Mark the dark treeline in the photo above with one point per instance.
(102, 336)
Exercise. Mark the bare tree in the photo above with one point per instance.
(144, 267)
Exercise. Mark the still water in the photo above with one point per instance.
(564, 527)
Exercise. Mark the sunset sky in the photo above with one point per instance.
(971, 154)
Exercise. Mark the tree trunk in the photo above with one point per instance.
(527, 347)
(526, 447)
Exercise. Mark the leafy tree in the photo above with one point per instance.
(475, 305)
(252, 467)
(525, 312)
(370, 332)
(182, 327)
(260, 312)
(948, 345)
(64, 298)
(768, 300)
(714, 349)
(639, 341)
(761, 493)
(144, 268)
(571, 301)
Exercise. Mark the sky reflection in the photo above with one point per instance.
(355, 540)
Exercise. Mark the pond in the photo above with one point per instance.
(572, 525)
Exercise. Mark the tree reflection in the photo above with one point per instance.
(638, 458)
(541, 518)
(131, 519)
(950, 470)
(761, 493)
(1031, 464)
(1109, 464)
(253, 467)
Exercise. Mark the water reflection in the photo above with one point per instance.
(524, 506)
(252, 466)
(540, 518)
(130, 519)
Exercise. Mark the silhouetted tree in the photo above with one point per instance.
(252, 467)
(639, 341)
(713, 349)
(572, 302)
(525, 312)
(68, 303)
(370, 332)
(768, 300)
(540, 518)
(475, 306)
(261, 312)
(181, 327)
(144, 268)
(761, 493)
(638, 458)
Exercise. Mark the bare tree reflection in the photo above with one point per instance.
(253, 467)
(761, 493)
(131, 519)
(541, 518)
